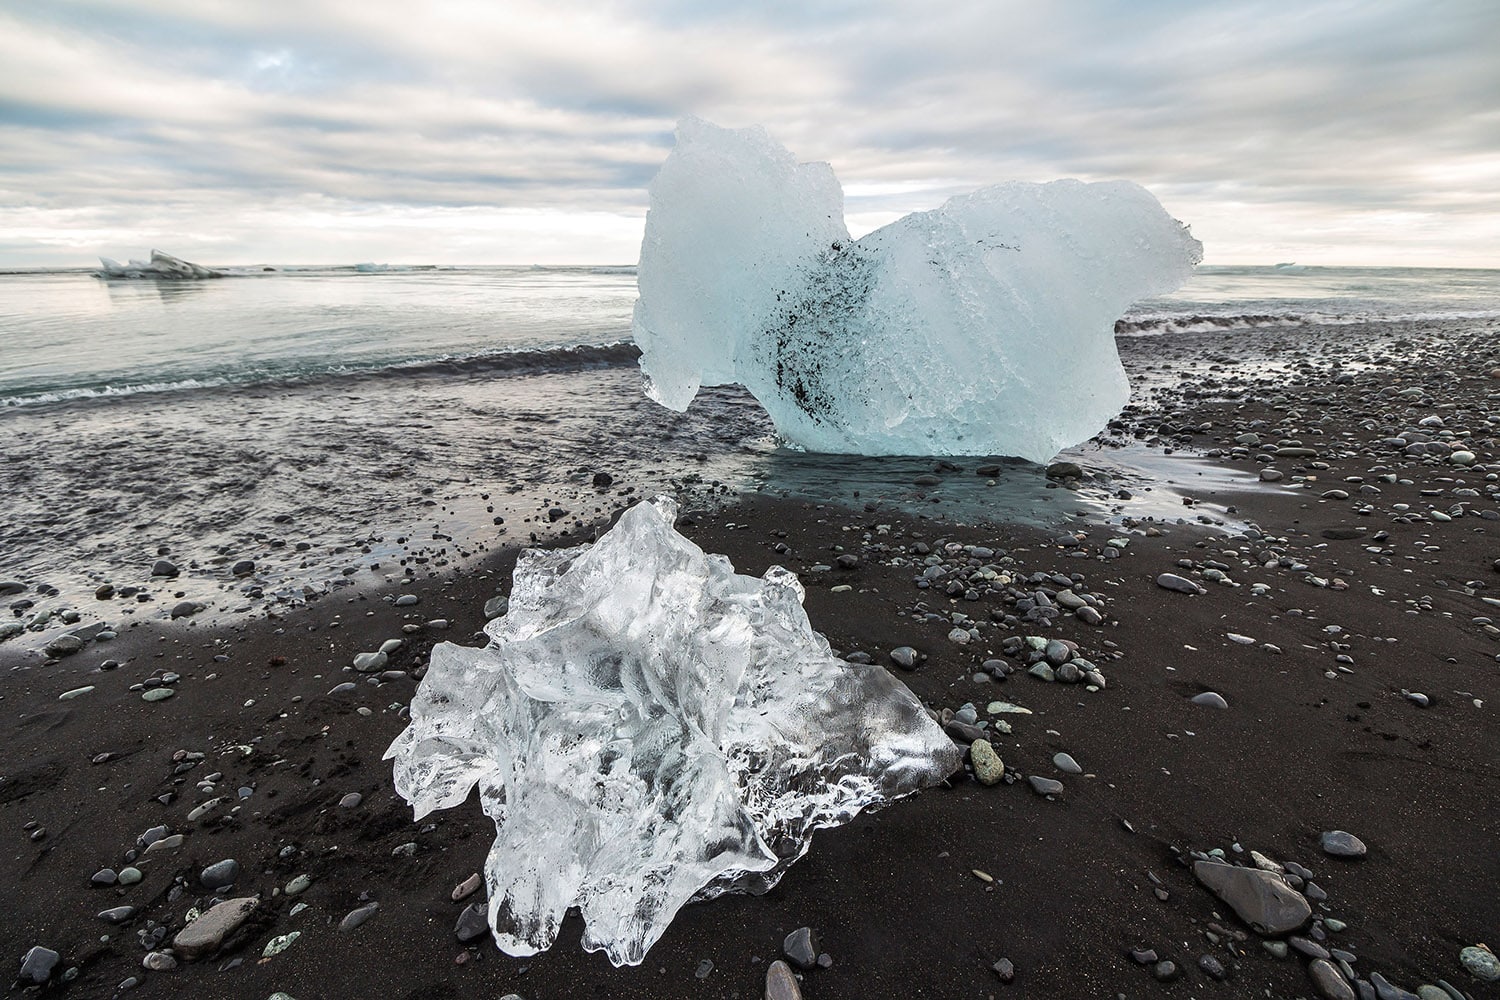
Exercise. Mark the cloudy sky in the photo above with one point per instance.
(525, 132)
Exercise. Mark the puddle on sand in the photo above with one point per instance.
(1120, 485)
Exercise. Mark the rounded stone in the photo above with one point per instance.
(989, 769)
(1480, 963)
(1210, 699)
(1339, 844)
(220, 874)
(1065, 763)
(781, 984)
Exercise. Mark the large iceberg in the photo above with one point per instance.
(982, 327)
(160, 266)
(647, 727)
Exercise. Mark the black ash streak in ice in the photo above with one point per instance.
(947, 332)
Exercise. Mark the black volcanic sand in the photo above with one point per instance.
(1367, 548)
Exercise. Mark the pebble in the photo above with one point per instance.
(1065, 763)
(75, 693)
(279, 944)
(1210, 699)
(1480, 963)
(1340, 844)
(1044, 786)
(358, 916)
(407, 600)
(130, 876)
(64, 645)
(466, 888)
(220, 874)
(473, 922)
(801, 948)
(1212, 967)
(370, 662)
(209, 931)
(988, 767)
(163, 567)
(704, 970)
(298, 885)
(38, 964)
(905, 657)
(117, 914)
(1329, 982)
(1005, 969)
(104, 876)
(781, 984)
(1260, 898)
(1182, 585)
(186, 609)
(159, 961)
(158, 694)
(351, 800)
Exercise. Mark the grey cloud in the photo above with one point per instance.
(183, 108)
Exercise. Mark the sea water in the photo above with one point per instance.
(339, 427)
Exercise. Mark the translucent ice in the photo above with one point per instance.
(161, 265)
(647, 727)
(982, 327)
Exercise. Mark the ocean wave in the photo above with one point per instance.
(518, 362)
(1157, 325)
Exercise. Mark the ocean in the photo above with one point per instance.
(340, 425)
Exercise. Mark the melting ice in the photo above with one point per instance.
(983, 327)
(647, 727)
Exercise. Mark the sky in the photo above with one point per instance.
(341, 131)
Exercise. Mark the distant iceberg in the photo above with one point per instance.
(160, 266)
(983, 327)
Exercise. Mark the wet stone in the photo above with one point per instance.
(1261, 899)
(473, 923)
(1065, 763)
(801, 948)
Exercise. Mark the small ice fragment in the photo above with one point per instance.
(983, 327)
(647, 727)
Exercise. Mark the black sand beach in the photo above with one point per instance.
(1346, 613)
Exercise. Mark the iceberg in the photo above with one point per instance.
(982, 327)
(646, 727)
(161, 265)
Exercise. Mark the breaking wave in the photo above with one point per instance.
(518, 362)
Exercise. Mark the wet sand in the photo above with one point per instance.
(1310, 568)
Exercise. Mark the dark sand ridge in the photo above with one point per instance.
(893, 894)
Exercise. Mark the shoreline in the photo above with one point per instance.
(892, 894)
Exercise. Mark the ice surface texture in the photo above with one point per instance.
(647, 727)
(984, 327)
(161, 265)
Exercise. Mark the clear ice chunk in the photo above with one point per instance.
(647, 727)
(983, 327)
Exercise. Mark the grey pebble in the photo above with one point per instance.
(1065, 763)
(220, 874)
(473, 922)
(1210, 699)
(1044, 786)
(38, 964)
(351, 800)
(1341, 844)
(905, 657)
(358, 916)
(1329, 982)
(781, 984)
(801, 947)
(1181, 585)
